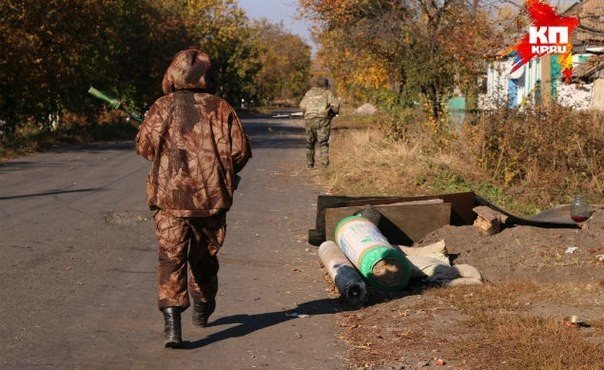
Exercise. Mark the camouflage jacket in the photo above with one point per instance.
(196, 144)
(319, 103)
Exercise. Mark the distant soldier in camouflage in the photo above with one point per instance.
(319, 105)
(196, 145)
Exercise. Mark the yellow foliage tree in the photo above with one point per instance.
(418, 47)
(285, 60)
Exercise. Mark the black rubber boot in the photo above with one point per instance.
(172, 329)
(202, 312)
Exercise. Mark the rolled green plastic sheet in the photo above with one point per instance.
(369, 251)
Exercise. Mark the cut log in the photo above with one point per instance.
(489, 221)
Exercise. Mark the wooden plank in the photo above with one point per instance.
(385, 209)
(402, 224)
(461, 209)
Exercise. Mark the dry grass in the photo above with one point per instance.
(478, 327)
(488, 298)
(515, 342)
(512, 338)
(493, 326)
(509, 158)
(364, 162)
(521, 296)
(544, 154)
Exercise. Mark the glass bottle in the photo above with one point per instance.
(579, 209)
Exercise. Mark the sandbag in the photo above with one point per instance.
(432, 263)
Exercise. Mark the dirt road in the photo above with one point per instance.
(78, 257)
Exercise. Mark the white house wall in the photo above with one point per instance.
(575, 96)
(497, 85)
(498, 78)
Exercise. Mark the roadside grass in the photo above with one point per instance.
(484, 158)
(543, 154)
(511, 337)
(32, 138)
(512, 325)
(364, 161)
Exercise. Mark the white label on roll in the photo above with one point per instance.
(357, 236)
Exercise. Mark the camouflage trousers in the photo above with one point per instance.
(195, 240)
(317, 129)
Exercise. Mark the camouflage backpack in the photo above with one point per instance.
(316, 103)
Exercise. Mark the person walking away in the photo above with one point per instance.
(196, 145)
(319, 105)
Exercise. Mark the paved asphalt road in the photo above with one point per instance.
(78, 257)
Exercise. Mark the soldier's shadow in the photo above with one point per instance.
(251, 323)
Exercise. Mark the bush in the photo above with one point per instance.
(545, 153)
(524, 161)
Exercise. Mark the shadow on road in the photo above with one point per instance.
(251, 323)
(33, 163)
(12, 166)
(268, 133)
(95, 148)
(56, 192)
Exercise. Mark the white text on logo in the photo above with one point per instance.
(551, 40)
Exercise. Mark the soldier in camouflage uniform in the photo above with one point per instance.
(319, 105)
(196, 145)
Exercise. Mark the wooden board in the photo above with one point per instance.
(401, 223)
(461, 209)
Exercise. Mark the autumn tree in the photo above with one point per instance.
(419, 47)
(285, 60)
(221, 28)
(52, 51)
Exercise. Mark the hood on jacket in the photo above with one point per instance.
(187, 70)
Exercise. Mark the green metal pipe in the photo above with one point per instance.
(114, 103)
